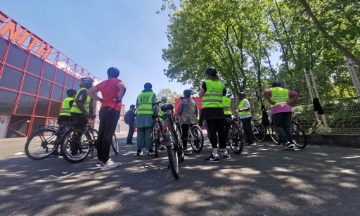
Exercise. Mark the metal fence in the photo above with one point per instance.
(338, 89)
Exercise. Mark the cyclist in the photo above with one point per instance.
(144, 118)
(82, 105)
(112, 90)
(245, 117)
(281, 112)
(212, 92)
(65, 115)
(187, 116)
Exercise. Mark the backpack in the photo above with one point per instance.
(127, 117)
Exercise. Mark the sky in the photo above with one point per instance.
(98, 34)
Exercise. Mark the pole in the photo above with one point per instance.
(353, 75)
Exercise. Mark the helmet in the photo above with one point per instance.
(113, 72)
(187, 93)
(211, 71)
(276, 84)
(71, 92)
(148, 86)
(241, 94)
(87, 81)
(132, 106)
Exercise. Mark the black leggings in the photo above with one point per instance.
(108, 121)
(185, 133)
(217, 126)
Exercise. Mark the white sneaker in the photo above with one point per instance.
(109, 164)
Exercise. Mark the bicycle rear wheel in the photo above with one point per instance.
(115, 145)
(76, 146)
(174, 161)
(236, 139)
(299, 137)
(259, 131)
(41, 144)
(197, 143)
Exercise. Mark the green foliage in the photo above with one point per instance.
(168, 94)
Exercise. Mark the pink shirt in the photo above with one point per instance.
(109, 91)
(281, 107)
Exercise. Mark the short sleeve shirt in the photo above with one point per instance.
(281, 107)
(109, 91)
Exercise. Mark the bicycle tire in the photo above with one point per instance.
(67, 138)
(298, 132)
(156, 142)
(235, 139)
(33, 135)
(115, 145)
(273, 134)
(196, 131)
(259, 131)
(173, 162)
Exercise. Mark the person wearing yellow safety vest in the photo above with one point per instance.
(65, 115)
(82, 107)
(212, 92)
(245, 117)
(226, 102)
(281, 112)
(145, 104)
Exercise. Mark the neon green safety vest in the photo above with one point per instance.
(214, 94)
(65, 108)
(75, 109)
(226, 102)
(279, 96)
(145, 105)
(242, 105)
(161, 113)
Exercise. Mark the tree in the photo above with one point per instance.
(168, 94)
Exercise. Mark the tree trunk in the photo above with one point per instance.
(327, 36)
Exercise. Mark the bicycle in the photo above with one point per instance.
(259, 130)
(45, 141)
(298, 133)
(235, 138)
(75, 148)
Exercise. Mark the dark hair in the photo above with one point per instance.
(113, 72)
(132, 106)
(148, 86)
(212, 72)
(71, 92)
(276, 84)
(187, 93)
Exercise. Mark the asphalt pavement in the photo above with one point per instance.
(262, 180)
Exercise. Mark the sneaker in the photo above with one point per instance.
(138, 153)
(187, 152)
(226, 155)
(109, 164)
(151, 152)
(220, 150)
(99, 163)
(288, 146)
(212, 159)
(162, 147)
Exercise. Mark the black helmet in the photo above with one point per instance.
(113, 72)
(148, 86)
(132, 106)
(87, 81)
(187, 93)
(276, 84)
(211, 71)
(241, 94)
(71, 92)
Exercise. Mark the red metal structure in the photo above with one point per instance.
(34, 78)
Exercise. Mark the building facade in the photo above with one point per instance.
(34, 78)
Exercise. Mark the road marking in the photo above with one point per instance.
(19, 153)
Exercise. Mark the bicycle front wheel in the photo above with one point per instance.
(76, 146)
(41, 144)
(174, 161)
(197, 141)
(299, 137)
(274, 135)
(236, 139)
(115, 145)
(259, 131)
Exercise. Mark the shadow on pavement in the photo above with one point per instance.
(262, 180)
